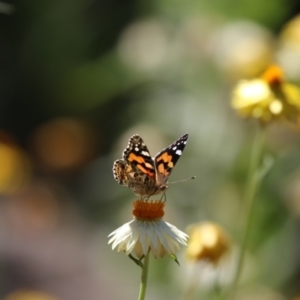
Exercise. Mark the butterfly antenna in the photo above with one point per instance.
(182, 180)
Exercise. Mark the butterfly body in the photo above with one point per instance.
(147, 176)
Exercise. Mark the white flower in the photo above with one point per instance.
(148, 232)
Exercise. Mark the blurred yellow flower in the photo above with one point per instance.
(268, 98)
(29, 295)
(288, 53)
(15, 169)
(208, 242)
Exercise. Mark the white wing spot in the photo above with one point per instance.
(136, 149)
(145, 153)
(185, 142)
(178, 152)
(148, 165)
(174, 148)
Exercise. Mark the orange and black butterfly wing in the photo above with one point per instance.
(138, 157)
(123, 172)
(166, 159)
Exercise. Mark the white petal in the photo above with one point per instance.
(140, 236)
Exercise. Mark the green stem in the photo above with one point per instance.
(144, 277)
(253, 182)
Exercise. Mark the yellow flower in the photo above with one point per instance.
(288, 52)
(147, 232)
(268, 98)
(208, 242)
(29, 295)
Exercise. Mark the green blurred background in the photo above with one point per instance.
(78, 78)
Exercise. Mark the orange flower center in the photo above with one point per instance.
(148, 210)
(273, 75)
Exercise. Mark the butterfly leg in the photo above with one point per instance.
(146, 198)
(163, 198)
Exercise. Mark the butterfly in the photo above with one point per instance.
(147, 176)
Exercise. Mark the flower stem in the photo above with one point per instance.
(255, 177)
(144, 277)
